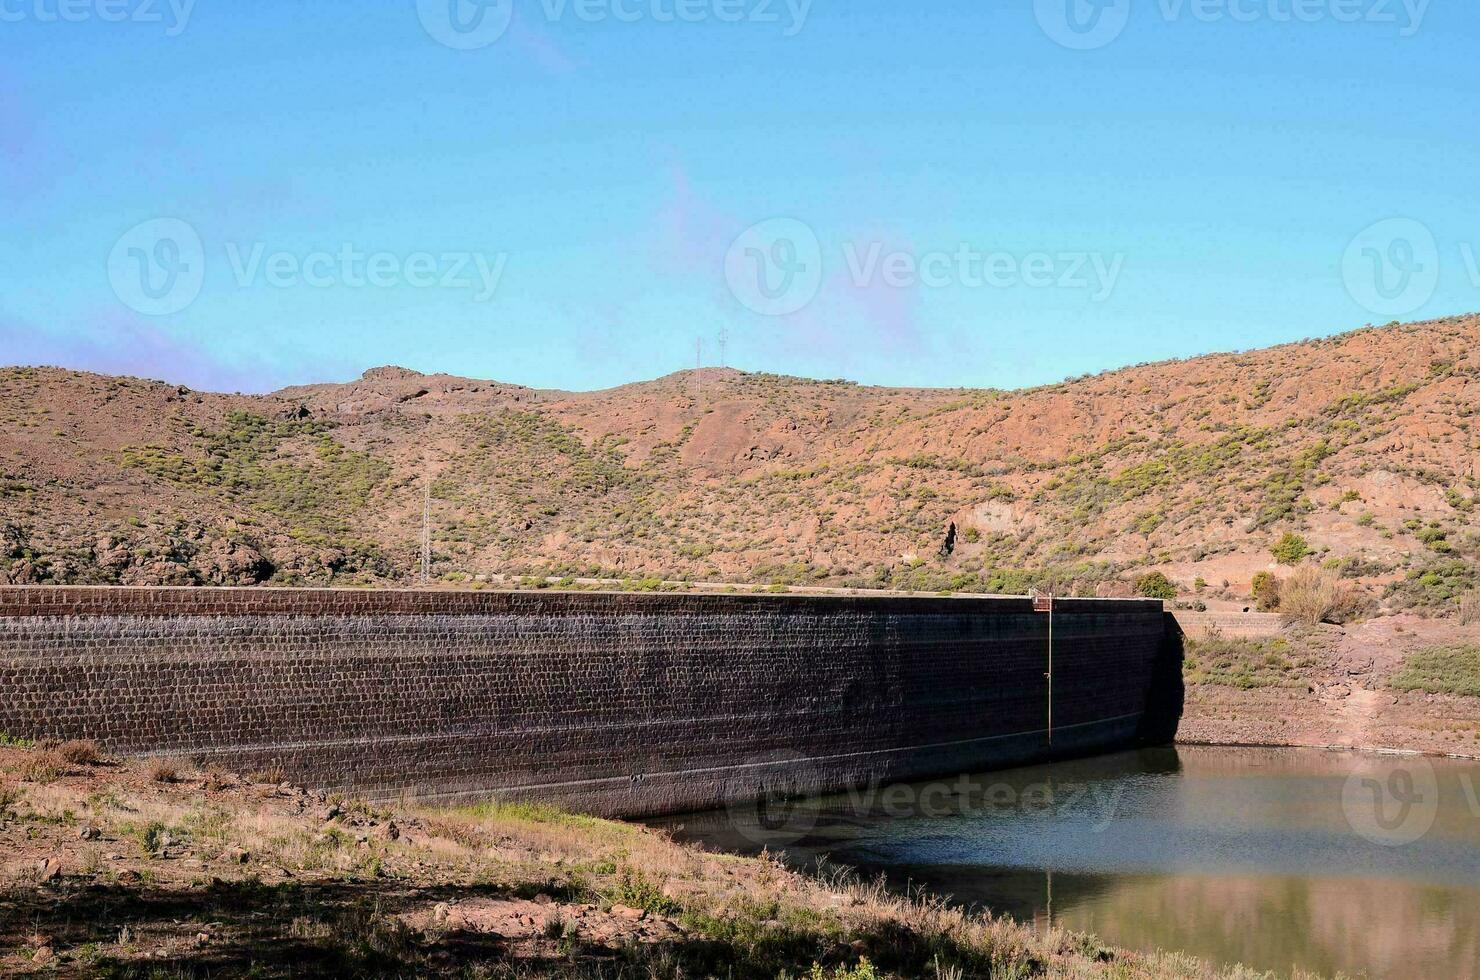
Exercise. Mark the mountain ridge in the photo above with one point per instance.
(1361, 444)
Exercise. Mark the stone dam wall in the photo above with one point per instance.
(618, 704)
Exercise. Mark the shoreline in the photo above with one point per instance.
(127, 869)
(1350, 749)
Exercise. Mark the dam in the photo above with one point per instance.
(619, 704)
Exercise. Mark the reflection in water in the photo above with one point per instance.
(1277, 858)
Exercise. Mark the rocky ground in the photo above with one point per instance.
(131, 869)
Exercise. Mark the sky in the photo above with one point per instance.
(583, 193)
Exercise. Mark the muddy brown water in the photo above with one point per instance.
(1276, 858)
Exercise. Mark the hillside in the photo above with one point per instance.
(1361, 444)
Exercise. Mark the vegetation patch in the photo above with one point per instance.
(1436, 586)
(291, 469)
(1442, 670)
(1243, 663)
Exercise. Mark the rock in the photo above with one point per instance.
(225, 562)
(43, 955)
(543, 899)
(23, 572)
(628, 912)
(89, 833)
(441, 911)
(392, 832)
(334, 811)
(202, 937)
(49, 869)
(236, 855)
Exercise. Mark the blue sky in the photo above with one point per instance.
(931, 194)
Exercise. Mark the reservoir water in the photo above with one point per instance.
(1280, 859)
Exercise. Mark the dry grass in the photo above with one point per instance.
(81, 752)
(1314, 595)
(43, 766)
(1469, 609)
(272, 774)
(164, 771)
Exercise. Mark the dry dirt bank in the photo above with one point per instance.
(109, 868)
(1329, 687)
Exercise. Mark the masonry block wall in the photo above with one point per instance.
(615, 704)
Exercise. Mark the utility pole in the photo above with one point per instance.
(426, 531)
(699, 369)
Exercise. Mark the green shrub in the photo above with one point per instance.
(1291, 549)
(863, 971)
(1266, 591)
(1155, 585)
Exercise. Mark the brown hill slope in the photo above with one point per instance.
(1361, 443)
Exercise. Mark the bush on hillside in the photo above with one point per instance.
(1317, 595)
(1155, 585)
(1291, 549)
(1266, 591)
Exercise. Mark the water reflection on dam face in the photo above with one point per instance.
(1277, 858)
